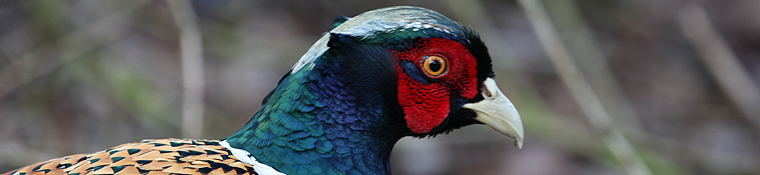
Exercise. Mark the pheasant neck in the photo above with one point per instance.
(313, 124)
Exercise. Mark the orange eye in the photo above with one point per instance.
(434, 65)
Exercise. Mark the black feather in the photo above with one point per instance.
(367, 68)
(479, 50)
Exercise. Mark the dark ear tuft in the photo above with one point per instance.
(480, 51)
(340, 19)
(413, 71)
(337, 40)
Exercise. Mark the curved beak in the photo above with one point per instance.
(498, 112)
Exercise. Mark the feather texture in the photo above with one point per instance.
(340, 110)
(164, 156)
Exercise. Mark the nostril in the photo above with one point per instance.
(486, 93)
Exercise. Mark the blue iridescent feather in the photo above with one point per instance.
(313, 123)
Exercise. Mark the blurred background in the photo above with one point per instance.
(603, 86)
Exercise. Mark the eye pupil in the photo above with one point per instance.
(435, 65)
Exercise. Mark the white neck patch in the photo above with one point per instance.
(245, 157)
(315, 51)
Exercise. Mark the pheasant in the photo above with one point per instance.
(371, 80)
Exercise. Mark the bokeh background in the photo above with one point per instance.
(603, 86)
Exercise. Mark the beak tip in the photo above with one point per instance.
(519, 135)
(519, 143)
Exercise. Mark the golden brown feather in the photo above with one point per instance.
(149, 157)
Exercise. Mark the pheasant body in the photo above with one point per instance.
(164, 156)
(372, 80)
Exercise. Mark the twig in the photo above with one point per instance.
(594, 65)
(48, 58)
(579, 87)
(721, 62)
(192, 68)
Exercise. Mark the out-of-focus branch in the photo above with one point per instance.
(48, 58)
(72, 46)
(191, 47)
(721, 61)
(579, 87)
(593, 63)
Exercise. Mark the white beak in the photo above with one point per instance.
(498, 112)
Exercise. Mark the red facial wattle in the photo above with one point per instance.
(427, 105)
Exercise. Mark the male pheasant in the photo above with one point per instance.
(373, 79)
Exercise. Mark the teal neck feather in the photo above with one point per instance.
(313, 124)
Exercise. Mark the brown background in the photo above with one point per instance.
(82, 76)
